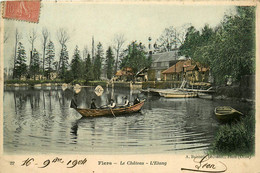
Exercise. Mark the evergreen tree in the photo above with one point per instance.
(35, 64)
(20, 62)
(192, 41)
(76, 64)
(109, 62)
(88, 69)
(50, 53)
(64, 64)
(136, 58)
(98, 62)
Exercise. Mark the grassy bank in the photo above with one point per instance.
(32, 82)
(237, 138)
(59, 81)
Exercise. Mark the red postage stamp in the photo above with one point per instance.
(22, 10)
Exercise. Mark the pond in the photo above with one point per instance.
(41, 121)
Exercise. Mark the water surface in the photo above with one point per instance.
(41, 121)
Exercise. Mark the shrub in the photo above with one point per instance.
(236, 138)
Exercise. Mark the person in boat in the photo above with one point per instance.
(74, 101)
(93, 104)
(112, 104)
(136, 101)
(126, 102)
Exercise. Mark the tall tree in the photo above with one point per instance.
(50, 53)
(110, 60)
(20, 63)
(98, 62)
(6, 36)
(88, 69)
(192, 41)
(85, 53)
(31, 38)
(64, 62)
(76, 64)
(135, 57)
(63, 37)
(45, 36)
(35, 64)
(119, 40)
(18, 37)
(171, 38)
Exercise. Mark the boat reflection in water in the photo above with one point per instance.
(41, 121)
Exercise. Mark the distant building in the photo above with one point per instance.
(125, 74)
(161, 62)
(188, 70)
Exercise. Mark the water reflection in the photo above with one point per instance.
(41, 121)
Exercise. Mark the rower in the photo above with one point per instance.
(126, 103)
(93, 105)
(136, 101)
(112, 104)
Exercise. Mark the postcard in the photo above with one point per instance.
(129, 86)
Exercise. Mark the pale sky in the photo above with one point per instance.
(103, 21)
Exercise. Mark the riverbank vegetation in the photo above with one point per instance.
(237, 138)
(229, 48)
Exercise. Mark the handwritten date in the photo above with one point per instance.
(57, 160)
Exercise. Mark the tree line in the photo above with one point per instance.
(228, 49)
(47, 62)
(86, 66)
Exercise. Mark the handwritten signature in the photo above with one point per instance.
(204, 165)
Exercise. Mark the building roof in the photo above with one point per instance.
(124, 72)
(165, 56)
(188, 65)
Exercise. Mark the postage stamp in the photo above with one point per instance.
(22, 10)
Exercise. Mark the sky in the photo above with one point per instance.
(102, 21)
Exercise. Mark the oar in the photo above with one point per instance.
(112, 112)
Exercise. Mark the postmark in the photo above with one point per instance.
(22, 10)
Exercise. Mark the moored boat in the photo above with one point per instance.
(110, 112)
(178, 94)
(205, 96)
(227, 113)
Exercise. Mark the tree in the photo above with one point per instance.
(171, 38)
(88, 69)
(192, 41)
(98, 62)
(18, 37)
(50, 53)
(45, 35)
(64, 63)
(63, 38)
(76, 64)
(109, 62)
(31, 38)
(119, 40)
(35, 64)
(6, 36)
(20, 63)
(135, 58)
(235, 42)
(85, 53)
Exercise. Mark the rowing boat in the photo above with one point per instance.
(110, 112)
(226, 113)
(178, 94)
